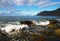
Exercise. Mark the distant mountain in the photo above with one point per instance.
(50, 13)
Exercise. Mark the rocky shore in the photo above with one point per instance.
(50, 32)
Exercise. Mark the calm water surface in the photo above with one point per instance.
(25, 18)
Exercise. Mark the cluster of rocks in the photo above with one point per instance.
(50, 32)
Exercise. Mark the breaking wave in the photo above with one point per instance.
(8, 27)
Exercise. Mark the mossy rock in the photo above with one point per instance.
(35, 36)
(51, 25)
(57, 32)
(40, 37)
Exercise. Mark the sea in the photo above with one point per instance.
(26, 18)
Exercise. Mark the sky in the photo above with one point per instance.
(27, 7)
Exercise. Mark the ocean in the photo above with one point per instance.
(26, 18)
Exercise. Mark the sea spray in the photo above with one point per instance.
(9, 27)
(43, 23)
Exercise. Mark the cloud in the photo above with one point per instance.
(4, 12)
(19, 2)
(6, 4)
(42, 2)
(53, 3)
(32, 2)
(25, 12)
(50, 4)
(30, 13)
(11, 3)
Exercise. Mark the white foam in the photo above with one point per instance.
(41, 23)
(8, 28)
